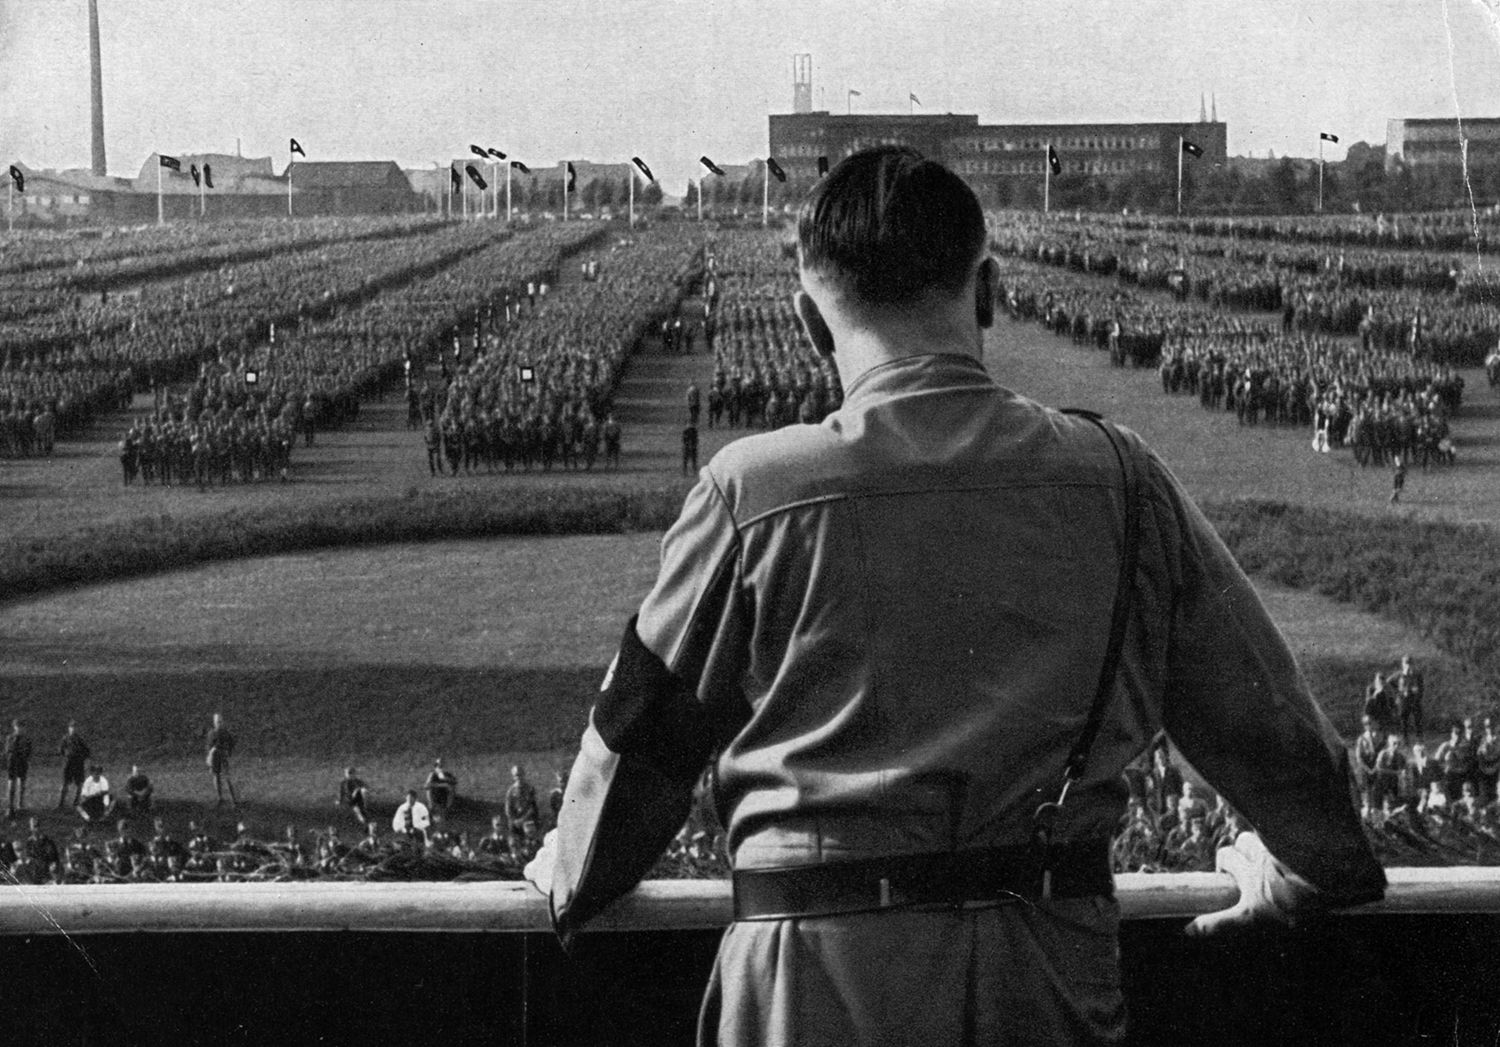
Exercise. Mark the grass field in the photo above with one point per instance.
(489, 652)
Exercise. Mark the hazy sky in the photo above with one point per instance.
(417, 80)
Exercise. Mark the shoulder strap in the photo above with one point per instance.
(1124, 593)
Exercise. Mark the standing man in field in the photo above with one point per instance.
(220, 748)
(887, 634)
(17, 767)
(75, 753)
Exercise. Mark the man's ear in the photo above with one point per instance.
(986, 292)
(813, 323)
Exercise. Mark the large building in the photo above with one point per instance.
(1435, 145)
(343, 187)
(995, 158)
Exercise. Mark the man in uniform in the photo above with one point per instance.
(17, 767)
(75, 754)
(521, 813)
(1410, 686)
(353, 794)
(220, 749)
(442, 788)
(886, 632)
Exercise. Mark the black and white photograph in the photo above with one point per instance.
(581, 523)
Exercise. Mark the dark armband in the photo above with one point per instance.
(647, 711)
(624, 807)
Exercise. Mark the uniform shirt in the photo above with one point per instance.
(897, 619)
(894, 623)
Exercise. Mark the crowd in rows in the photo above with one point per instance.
(1379, 403)
(81, 361)
(1452, 231)
(765, 372)
(534, 385)
(1425, 304)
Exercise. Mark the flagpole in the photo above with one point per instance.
(202, 200)
(1047, 179)
(765, 198)
(289, 162)
(161, 218)
(10, 209)
(508, 170)
(700, 199)
(1320, 173)
(565, 190)
(631, 175)
(1179, 176)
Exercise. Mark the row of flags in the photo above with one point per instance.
(172, 163)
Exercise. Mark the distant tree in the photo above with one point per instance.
(650, 195)
(1284, 192)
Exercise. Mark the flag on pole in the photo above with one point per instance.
(713, 167)
(1191, 148)
(17, 177)
(497, 154)
(208, 176)
(572, 177)
(775, 169)
(193, 170)
(644, 169)
(1328, 137)
(479, 151)
(855, 93)
(171, 163)
(296, 147)
(914, 98)
(822, 166)
(475, 176)
(1052, 160)
(456, 178)
(520, 167)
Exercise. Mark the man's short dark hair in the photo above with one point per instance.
(888, 225)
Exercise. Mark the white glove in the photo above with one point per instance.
(540, 869)
(1268, 893)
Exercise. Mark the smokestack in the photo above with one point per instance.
(96, 85)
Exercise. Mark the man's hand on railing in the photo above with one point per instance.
(539, 869)
(1269, 893)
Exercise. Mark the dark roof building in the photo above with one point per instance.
(995, 157)
(331, 187)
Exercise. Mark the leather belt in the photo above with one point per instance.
(1075, 869)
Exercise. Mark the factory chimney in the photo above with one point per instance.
(96, 88)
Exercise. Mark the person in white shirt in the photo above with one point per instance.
(95, 802)
(412, 818)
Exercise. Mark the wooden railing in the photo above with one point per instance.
(508, 907)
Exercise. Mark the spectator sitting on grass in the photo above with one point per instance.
(138, 790)
(412, 819)
(95, 802)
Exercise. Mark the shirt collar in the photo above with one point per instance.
(918, 373)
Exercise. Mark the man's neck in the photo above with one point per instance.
(860, 349)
